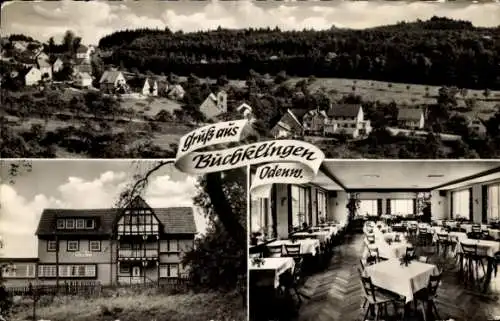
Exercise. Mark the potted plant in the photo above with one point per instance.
(352, 207)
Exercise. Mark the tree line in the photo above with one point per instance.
(439, 51)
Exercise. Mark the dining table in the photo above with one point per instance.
(402, 279)
(488, 249)
(307, 246)
(270, 269)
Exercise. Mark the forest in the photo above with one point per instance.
(439, 51)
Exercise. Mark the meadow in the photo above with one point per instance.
(144, 307)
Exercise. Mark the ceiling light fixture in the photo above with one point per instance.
(371, 175)
(435, 175)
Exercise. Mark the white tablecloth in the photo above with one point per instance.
(397, 278)
(488, 248)
(494, 233)
(468, 227)
(307, 246)
(322, 236)
(275, 265)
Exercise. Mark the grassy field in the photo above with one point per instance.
(150, 107)
(402, 94)
(179, 307)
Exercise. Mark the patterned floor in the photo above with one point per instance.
(336, 294)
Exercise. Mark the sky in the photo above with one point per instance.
(93, 20)
(80, 184)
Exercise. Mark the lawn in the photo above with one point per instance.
(179, 307)
(150, 107)
(402, 94)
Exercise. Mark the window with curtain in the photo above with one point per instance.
(402, 207)
(321, 206)
(493, 209)
(260, 216)
(300, 206)
(460, 203)
(367, 207)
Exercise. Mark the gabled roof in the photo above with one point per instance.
(82, 49)
(345, 110)
(298, 113)
(84, 75)
(150, 81)
(110, 76)
(410, 114)
(174, 220)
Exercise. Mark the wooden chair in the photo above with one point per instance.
(377, 301)
(373, 256)
(292, 250)
(428, 295)
(410, 252)
(275, 250)
(471, 261)
(370, 238)
(444, 242)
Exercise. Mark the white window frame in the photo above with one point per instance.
(69, 249)
(93, 224)
(61, 224)
(173, 249)
(72, 225)
(98, 242)
(51, 248)
(43, 269)
(493, 206)
(166, 270)
(461, 203)
(80, 224)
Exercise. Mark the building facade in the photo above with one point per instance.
(137, 244)
(20, 271)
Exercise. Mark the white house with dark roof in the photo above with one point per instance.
(136, 244)
(31, 76)
(84, 52)
(111, 80)
(214, 105)
(411, 118)
(348, 119)
(290, 125)
(150, 87)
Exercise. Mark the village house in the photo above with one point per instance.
(176, 92)
(314, 122)
(45, 68)
(41, 57)
(476, 127)
(347, 119)
(57, 65)
(214, 105)
(134, 245)
(82, 65)
(150, 87)
(83, 80)
(20, 271)
(84, 53)
(31, 76)
(411, 118)
(244, 109)
(290, 125)
(112, 80)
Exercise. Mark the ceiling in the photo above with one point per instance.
(401, 174)
(325, 182)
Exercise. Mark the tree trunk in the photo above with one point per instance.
(223, 208)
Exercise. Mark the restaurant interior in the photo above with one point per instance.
(379, 240)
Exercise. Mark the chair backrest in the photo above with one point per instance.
(410, 252)
(476, 228)
(373, 252)
(370, 238)
(433, 285)
(442, 237)
(275, 250)
(423, 230)
(292, 249)
(469, 249)
(362, 265)
(368, 287)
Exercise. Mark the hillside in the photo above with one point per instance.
(437, 52)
